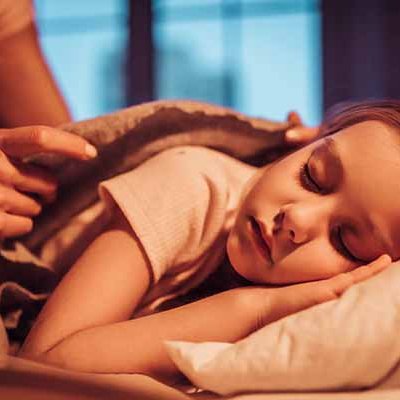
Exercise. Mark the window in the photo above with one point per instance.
(261, 57)
(84, 42)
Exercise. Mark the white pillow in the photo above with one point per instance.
(349, 343)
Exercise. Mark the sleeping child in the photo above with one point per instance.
(202, 247)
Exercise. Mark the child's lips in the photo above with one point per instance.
(261, 239)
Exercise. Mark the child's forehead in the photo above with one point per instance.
(370, 154)
(369, 130)
(369, 141)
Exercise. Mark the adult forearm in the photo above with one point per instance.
(28, 92)
(136, 346)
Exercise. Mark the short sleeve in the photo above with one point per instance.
(175, 202)
(15, 15)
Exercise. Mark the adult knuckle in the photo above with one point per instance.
(38, 135)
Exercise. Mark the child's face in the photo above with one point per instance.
(302, 224)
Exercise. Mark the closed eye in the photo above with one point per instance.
(342, 249)
(307, 182)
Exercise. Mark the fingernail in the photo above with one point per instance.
(292, 134)
(388, 259)
(90, 150)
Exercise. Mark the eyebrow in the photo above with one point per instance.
(328, 151)
(331, 148)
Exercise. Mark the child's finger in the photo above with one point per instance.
(340, 283)
(367, 271)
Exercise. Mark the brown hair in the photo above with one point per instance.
(347, 114)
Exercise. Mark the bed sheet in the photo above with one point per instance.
(366, 395)
(29, 380)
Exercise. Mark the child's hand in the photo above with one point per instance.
(299, 134)
(282, 301)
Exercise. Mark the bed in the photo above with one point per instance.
(30, 267)
(21, 379)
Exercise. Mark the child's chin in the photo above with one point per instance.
(232, 257)
(236, 259)
(240, 269)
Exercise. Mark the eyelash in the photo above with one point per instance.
(306, 182)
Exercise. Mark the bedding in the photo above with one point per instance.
(24, 379)
(31, 266)
(28, 380)
(28, 273)
(365, 395)
(345, 344)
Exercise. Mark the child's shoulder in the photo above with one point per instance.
(213, 167)
(192, 151)
(192, 159)
(205, 158)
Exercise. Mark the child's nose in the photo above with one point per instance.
(301, 223)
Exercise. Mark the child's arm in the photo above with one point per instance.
(104, 286)
(84, 324)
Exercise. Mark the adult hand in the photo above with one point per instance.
(19, 180)
(300, 134)
(280, 302)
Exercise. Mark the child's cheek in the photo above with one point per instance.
(309, 262)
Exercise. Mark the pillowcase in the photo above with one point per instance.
(349, 343)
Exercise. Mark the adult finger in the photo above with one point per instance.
(16, 203)
(14, 225)
(294, 118)
(28, 140)
(301, 134)
(27, 178)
